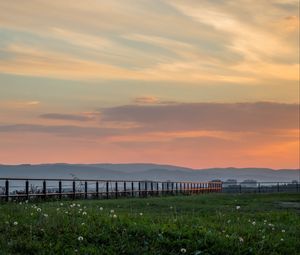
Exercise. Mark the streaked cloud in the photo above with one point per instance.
(146, 100)
(71, 117)
(214, 41)
(208, 116)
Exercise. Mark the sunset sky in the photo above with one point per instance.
(209, 83)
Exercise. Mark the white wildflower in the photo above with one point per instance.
(238, 207)
(15, 223)
(80, 238)
(183, 250)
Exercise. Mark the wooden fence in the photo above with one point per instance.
(16, 188)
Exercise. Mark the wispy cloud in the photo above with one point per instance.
(186, 42)
(11, 104)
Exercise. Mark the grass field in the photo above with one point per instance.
(198, 224)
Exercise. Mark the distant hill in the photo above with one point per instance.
(145, 171)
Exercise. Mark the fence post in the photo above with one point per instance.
(107, 189)
(277, 186)
(74, 189)
(44, 189)
(259, 187)
(146, 188)
(7, 190)
(116, 189)
(132, 189)
(97, 189)
(157, 189)
(139, 189)
(125, 188)
(85, 189)
(151, 189)
(59, 189)
(27, 189)
(240, 188)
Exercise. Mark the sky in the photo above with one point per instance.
(191, 83)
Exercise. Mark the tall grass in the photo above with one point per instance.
(200, 224)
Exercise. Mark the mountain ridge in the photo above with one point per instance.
(142, 171)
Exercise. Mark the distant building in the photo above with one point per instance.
(229, 183)
(216, 180)
(249, 183)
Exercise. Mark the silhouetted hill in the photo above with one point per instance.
(144, 171)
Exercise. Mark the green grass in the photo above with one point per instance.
(199, 224)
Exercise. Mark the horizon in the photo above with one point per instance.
(155, 164)
(194, 84)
